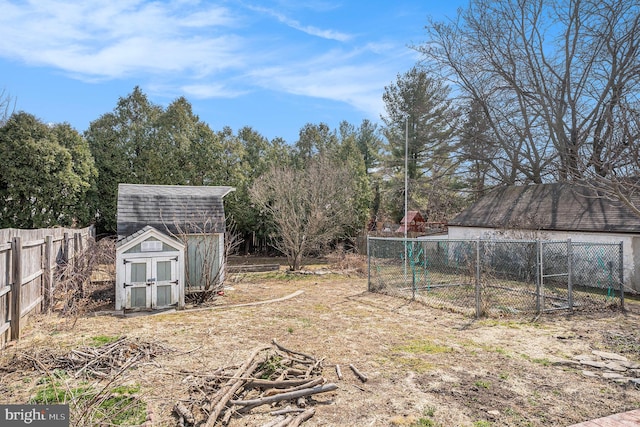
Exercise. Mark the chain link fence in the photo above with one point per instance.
(498, 277)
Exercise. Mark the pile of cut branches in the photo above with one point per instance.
(272, 375)
(99, 362)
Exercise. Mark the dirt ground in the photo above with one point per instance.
(426, 367)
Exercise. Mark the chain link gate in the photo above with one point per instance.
(498, 277)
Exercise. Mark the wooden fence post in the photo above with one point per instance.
(77, 244)
(77, 265)
(48, 272)
(65, 250)
(16, 287)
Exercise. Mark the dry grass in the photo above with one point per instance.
(424, 365)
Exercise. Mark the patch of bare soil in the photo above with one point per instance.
(424, 366)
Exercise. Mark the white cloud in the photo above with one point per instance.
(308, 29)
(204, 91)
(342, 77)
(119, 38)
(202, 49)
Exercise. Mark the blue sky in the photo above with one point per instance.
(272, 65)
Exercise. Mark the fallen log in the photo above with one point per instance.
(285, 422)
(338, 372)
(253, 268)
(309, 384)
(359, 374)
(260, 383)
(227, 416)
(302, 417)
(184, 412)
(285, 396)
(275, 422)
(285, 411)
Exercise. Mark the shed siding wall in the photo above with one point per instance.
(203, 253)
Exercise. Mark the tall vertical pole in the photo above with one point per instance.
(406, 191)
(406, 175)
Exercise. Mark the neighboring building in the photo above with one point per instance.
(170, 239)
(557, 211)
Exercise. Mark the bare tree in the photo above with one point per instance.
(7, 106)
(75, 294)
(556, 80)
(309, 207)
(477, 150)
(205, 255)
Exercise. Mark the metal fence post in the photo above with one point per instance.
(570, 273)
(538, 275)
(368, 264)
(621, 274)
(404, 283)
(478, 294)
(413, 271)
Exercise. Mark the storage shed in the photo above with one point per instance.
(170, 241)
(150, 271)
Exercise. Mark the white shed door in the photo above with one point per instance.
(151, 282)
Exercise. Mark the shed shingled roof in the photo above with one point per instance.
(559, 206)
(171, 208)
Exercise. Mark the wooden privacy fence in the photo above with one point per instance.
(29, 261)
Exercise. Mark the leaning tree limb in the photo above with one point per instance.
(292, 351)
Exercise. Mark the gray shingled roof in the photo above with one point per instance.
(171, 208)
(131, 237)
(560, 206)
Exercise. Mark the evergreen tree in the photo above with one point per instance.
(314, 139)
(44, 174)
(419, 119)
(119, 142)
